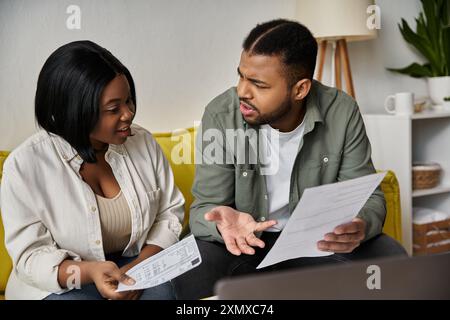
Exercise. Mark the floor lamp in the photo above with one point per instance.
(334, 23)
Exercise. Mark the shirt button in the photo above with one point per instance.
(93, 209)
(263, 219)
(65, 157)
(266, 197)
(98, 242)
(325, 159)
(244, 174)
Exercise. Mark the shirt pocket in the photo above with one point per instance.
(244, 195)
(322, 161)
(323, 169)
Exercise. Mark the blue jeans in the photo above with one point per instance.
(89, 292)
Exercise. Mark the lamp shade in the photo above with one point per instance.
(334, 20)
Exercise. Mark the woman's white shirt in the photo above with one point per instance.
(50, 214)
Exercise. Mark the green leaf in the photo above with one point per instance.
(421, 26)
(422, 44)
(429, 8)
(446, 50)
(445, 12)
(415, 70)
(431, 39)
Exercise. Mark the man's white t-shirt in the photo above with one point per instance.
(282, 159)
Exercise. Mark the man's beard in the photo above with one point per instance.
(283, 110)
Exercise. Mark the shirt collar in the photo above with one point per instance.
(68, 153)
(312, 105)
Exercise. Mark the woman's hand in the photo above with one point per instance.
(146, 252)
(136, 293)
(106, 277)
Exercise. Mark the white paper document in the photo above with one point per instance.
(318, 212)
(165, 265)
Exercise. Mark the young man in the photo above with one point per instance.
(240, 207)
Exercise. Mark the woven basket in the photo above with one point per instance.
(426, 175)
(430, 238)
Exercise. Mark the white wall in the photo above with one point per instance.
(181, 53)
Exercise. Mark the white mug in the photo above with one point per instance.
(400, 103)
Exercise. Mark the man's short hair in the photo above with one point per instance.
(290, 40)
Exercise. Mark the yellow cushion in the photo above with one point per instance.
(393, 222)
(173, 144)
(3, 155)
(5, 261)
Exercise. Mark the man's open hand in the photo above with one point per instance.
(238, 229)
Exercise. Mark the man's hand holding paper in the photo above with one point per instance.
(321, 209)
(345, 238)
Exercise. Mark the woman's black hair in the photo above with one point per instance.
(69, 88)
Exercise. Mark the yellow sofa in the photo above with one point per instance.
(184, 174)
(5, 261)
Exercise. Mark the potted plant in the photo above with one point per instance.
(432, 40)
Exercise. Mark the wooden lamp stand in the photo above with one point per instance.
(341, 64)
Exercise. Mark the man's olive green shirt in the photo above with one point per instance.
(334, 148)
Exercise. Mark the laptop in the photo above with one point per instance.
(425, 277)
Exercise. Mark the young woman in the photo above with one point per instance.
(90, 195)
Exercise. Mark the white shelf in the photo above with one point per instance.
(432, 191)
(431, 115)
(398, 141)
(417, 116)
